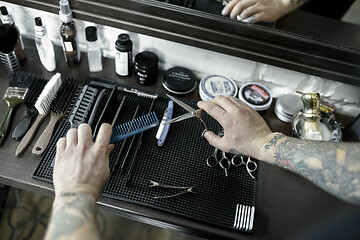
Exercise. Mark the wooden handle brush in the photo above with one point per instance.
(58, 108)
(42, 105)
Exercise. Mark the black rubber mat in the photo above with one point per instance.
(181, 161)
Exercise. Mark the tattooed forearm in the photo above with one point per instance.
(73, 216)
(335, 167)
(273, 141)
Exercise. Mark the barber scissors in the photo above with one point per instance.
(251, 166)
(191, 113)
(224, 162)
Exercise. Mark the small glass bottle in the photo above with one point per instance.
(123, 58)
(93, 49)
(7, 18)
(68, 34)
(44, 46)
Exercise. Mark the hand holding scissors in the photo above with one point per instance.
(191, 113)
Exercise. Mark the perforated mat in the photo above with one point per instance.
(181, 161)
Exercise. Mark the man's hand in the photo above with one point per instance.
(260, 10)
(82, 165)
(244, 130)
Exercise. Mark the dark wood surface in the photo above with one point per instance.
(286, 204)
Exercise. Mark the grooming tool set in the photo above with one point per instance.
(42, 105)
(177, 166)
(58, 108)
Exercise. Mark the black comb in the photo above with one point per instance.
(58, 108)
(24, 124)
(83, 105)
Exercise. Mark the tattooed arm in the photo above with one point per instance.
(335, 167)
(80, 172)
(260, 10)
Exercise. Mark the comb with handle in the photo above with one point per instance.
(135, 126)
(83, 105)
(42, 105)
(14, 96)
(37, 85)
(58, 108)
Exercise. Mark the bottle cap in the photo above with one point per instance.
(6, 18)
(179, 80)
(65, 12)
(123, 43)
(4, 10)
(146, 61)
(214, 85)
(256, 95)
(91, 34)
(38, 21)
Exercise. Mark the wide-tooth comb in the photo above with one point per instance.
(14, 96)
(83, 105)
(42, 105)
(24, 124)
(58, 109)
(135, 126)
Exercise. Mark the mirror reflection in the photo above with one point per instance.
(281, 14)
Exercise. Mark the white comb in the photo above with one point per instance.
(43, 106)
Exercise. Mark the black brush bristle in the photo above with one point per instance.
(36, 87)
(64, 96)
(8, 38)
(21, 79)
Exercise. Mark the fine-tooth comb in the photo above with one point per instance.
(14, 96)
(58, 108)
(83, 105)
(42, 105)
(37, 85)
(133, 127)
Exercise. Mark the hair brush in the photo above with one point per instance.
(58, 108)
(14, 96)
(42, 105)
(24, 124)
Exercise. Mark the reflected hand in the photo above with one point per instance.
(260, 10)
(82, 165)
(245, 131)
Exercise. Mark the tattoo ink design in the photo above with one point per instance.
(332, 166)
(235, 152)
(273, 141)
(72, 215)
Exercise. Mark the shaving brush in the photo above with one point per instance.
(8, 39)
(311, 114)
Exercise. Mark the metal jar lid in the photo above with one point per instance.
(286, 106)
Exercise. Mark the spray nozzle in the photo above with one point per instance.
(38, 21)
(64, 7)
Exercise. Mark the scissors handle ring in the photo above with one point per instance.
(212, 161)
(237, 160)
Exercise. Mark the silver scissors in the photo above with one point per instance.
(224, 162)
(251, 166)
(191, 113)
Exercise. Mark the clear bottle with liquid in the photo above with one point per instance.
(44, 46)
(68, 34)
(7, 18)
(93, 49)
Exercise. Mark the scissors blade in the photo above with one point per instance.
(182, 104)
(180, 118)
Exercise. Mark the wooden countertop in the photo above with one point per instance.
(286, 203)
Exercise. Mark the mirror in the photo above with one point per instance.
(313, 19)
(300, 41)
